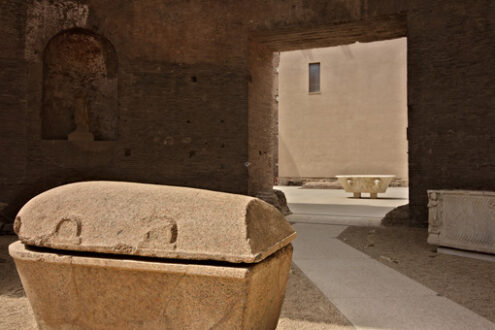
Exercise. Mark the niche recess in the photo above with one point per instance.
(79, 88)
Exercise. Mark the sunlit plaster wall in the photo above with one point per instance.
(356, 124)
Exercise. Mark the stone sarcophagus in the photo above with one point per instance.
(116, 255)
(462, 219)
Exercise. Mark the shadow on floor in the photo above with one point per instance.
(468, 282)
(15, 311)
(10, 284)
(305, 302)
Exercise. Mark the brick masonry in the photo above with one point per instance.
(196, 86)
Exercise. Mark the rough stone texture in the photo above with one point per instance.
(281, 202)
(276, 198)
(451, 93)
(153, 220)
(304, 307)
(191, 102)
(261, 124)
(13, 106)
(78, 292)
(462, 219)
(79, 87)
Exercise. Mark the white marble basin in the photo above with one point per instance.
(372, 184)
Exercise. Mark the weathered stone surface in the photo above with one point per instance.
(195, 97)
(153, 220)
(81, 66)
(276, 198)
(462, 219)
(79, 292)
(281, 202)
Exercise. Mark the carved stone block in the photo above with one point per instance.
(86, 292)
(119, 255)
(462, 219)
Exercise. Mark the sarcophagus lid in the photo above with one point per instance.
(153, 221)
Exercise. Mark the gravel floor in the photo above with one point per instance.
(468, 282)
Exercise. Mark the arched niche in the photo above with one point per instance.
(79, 88)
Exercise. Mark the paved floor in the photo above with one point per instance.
(335, 206)
(370, 294)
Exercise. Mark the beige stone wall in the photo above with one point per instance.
(357, 123)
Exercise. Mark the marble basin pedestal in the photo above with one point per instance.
(115, 255)
(372, 184)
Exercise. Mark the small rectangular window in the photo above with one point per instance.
(314, 77)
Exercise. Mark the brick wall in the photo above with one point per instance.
(12, 104)
(192, 99)
(451, 87)
(261, 125)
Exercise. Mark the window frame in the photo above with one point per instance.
(314, 78)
